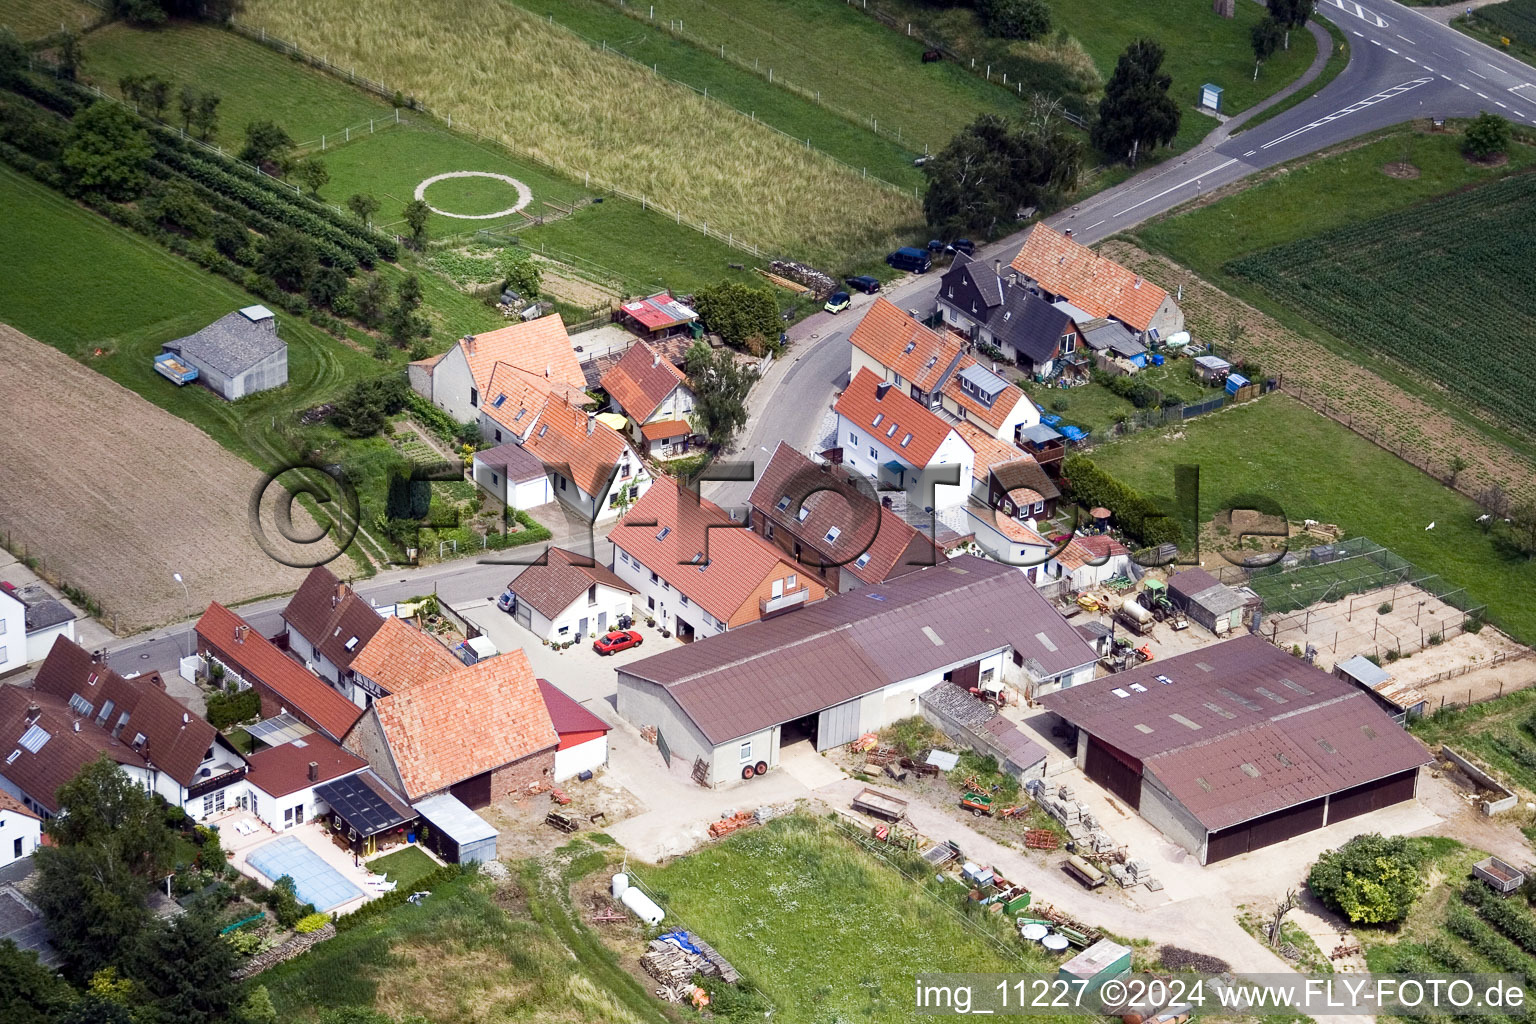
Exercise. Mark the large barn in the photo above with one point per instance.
(1238, 746)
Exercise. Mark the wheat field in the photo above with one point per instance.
(541, 90)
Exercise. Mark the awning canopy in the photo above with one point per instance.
(366, 803)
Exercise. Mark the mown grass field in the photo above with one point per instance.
(1415, 285)
(733, 83)
(824, 929)
(403, 866)
(33, 19)
(650, 137)
(1317, 469)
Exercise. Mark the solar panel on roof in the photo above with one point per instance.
(359, 806)
(1138, 688)
(34, 738)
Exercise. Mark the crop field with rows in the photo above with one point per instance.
(1444, 288)
(1513, 18)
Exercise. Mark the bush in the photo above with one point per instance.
(283, 900)
(1372, 879)
(1015, 19)
(245, 943)
(1486, 136)
(1472, 624)
(311, 923)
(1138, 515)
(227, 709)
(1386, 606)
(390, 900)
(1060, 405)
(737, 311)
(367, 405)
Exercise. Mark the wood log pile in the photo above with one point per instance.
(675, 968)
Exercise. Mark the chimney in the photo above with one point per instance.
(1013, 278)
(881, 389)
(886, 501)
(546, 371)
(314, 771)
(655, 359)
(997, 267)
(240, 634)
(469, 343)
(591, 422)
(1067, 233)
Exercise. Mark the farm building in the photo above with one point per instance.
(21, 830)
(1062, 269)
(853, 663)
(583, 736)
(569, 597)
(902, 352)
(896, 441)
(456, 833)
(1005, 312)
(1238, 746)
(798, 504)
(513, 476)
(647, 388)
(1207, 600)
(396, 658)
(31, 619)
(238, 354)
(1399, 700)
(659, 316)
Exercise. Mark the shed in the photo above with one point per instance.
(1207, 600)
(1103, 961)
(236, 355)
(1399, 700)
(457, 834)
(1212, 368)
(659, 315)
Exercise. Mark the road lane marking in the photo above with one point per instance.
(1410, 60)
(1375, 42)
(1446, 77)
(1095, 224)
(1459, 50)
(1429, 69)
(1405, 39)
(1501, 103)
(1350, 7)
(1390, 50)
(1360, 34)
(1250, 152)
(1385, 94)
(1471, 72)
(1144, 202)
(1482, 96)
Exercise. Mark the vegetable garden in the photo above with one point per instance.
(1444, 287)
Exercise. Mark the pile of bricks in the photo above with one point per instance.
(725, 826)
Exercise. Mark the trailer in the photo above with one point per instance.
(1137, 619)
(878, 805)
(1090, 876)
(1502, 878)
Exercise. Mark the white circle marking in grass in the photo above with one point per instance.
(524, 196)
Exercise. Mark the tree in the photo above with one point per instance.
(327, 283)
(363, 206)
(230, 236)
(1015, 19)
(366, 406)
(265, 142)
(155, 96)
(103, 810)
(92, 1009)
(369, 300)
(206, 121)
(1522, 521)
(1487, 136)
(69, 55)
(1136, 112)
(990, 170)
(187, 102)
(177, 206)
(1372, 879)
(288, 258)
(1290, 13)
(185, 966)
(738, 311)
(107, 152)
(416, 213)
(1275, 931)
(1266, 37)
(521, 272)
(140, 12)
(404, 324)
(720, 385)
(14, 59)
(30, 993)
(257, 1008)
(132, 88)
(1457, 467)
(312, 173)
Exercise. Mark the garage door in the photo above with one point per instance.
(1265, 831)
(473, 792)
(1372, 796)
(523, 613)
(837, 725)
(1116, 771)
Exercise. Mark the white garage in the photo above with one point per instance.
(583, 736)
(513, 475)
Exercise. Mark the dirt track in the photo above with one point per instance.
(113, 494)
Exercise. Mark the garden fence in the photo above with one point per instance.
(395, 96)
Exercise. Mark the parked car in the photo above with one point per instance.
(837, 302)
(964, 245)
(507, 602)
(862, 283)
(915, 260)
(617, 640)
(935, 246)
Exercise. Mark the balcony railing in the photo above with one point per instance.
(200, 786)
(784, 602)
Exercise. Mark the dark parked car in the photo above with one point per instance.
(964, 245)
(617, 640)
(915, 260)
(867, 285)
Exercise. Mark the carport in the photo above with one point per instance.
(454, 832)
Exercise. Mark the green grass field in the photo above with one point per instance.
(33, 19)
(791, 112)
(1095, 407)
(1414, 285)
(403, 866)
(1514, 19)
(1493, 732)
(824, 929)
(1318, 469)
(1338, 59)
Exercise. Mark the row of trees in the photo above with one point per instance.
(199, 108)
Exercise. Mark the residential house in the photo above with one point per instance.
(700, 572)
(665, 439)
(1008, 538)
(537, 353)
(849, 665)
(592, 469)
(480, 733)
(238, 354)
(285, 685)
(892, 439)
(975, 394)
(817, 514)
(651, 392)
(78, 709)
(583, 736)
(21, 830)
(569, 597)
(326, 624)
(398, 656)
(31, 619)
(1022, 488)
(1005, 313)
(1238, 746)
(514, 402)
(512, 475)
(1062, 269)
(283, 779)
(897, 349)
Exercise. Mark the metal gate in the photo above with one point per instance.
(661, 745)
(837, 725)
(1372, 796)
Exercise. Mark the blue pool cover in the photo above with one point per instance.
(316, 881)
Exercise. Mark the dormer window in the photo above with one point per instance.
(804, 511)
(861, 561)
(783, 504)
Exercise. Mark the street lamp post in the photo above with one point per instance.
(187, 595)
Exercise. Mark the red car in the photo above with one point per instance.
(617, 640)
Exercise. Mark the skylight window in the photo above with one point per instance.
(662, 535)
(352, 644)
(544, 429)
(1203, 784)
(1138, 688)
(1249, 770)
(879, 418)
(805, 510)
(519, 415)
(697, 558)
(1164, 680)
(906, 440)
(1119, 692)
(1143, 728)
(14, 755)
(833, 534)
(891, 432)
(80, 705)
(499, 400)
(1186, 723)
(783, 503)
(861, 561)
(33, 739)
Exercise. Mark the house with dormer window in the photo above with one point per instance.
(896, 348)
(901, 445)
(1058, 268)
(982, 397)
(1004, 312)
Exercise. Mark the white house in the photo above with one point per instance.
(647, 388)
(592, 469)
(570, 597)
(513, 476)
(13, 633)
(537, 353)
(897, 442)
(1009, 539)
(1090, 560)
(583, 735)
(21, 830)
(897, 349)
(980, 396)
(31, 619)
(283, 779)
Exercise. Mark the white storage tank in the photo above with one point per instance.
(620, 883)
(642, 906)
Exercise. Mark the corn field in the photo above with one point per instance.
(541, 90)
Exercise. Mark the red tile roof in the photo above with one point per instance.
(541, 347)
(663, 429)
(284, 769)
(566, 714)
(563, 578)
(567, 436)
(400, 656)
(1097, 286)
(10, 803)
(876, 413)
(896, 341)
(995, 415)
(515, 398)
(471, 721)
(641, 381)
(693, 544)
(177, 738)
(330, 615)
(65, 752)
(989, 450)
(258, 660)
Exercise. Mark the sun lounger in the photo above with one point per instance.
(384, 886)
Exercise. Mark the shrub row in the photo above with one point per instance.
(27, 164)
(226, 709)
(1139, 516)
(532, 532)
(1498, 950)
(1508, 918)
(390, 900)
(49, 93)
(447, 429)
